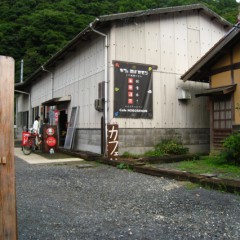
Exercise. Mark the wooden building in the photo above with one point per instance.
(126, 68)
(220, 67)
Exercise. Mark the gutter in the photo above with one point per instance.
(105, 80)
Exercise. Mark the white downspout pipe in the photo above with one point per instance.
(105, 82)
(21, 72)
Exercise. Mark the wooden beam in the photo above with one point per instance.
(8, 222)
(232, 67)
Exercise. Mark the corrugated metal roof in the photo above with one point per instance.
(102, 21)
(200, 70)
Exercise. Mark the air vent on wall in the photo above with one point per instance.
(183, 94)
(99, 104)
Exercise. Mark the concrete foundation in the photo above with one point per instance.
(138, 141)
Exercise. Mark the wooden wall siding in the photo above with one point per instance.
(236, 59)
(224, 61)
(221, 79)
(236, 53)
(78, 76)
(180, 32)
(41, 91)
(237, 97)
(23, 103)
(173, 42)
(206, 36)
(224, 78)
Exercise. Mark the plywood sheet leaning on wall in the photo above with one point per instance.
(8, 223)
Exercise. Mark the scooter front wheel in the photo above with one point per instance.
(27, 149)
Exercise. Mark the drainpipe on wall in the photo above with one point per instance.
(45, 70)
(105, 81)
(21, 72)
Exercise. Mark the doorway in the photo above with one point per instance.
(62, 124)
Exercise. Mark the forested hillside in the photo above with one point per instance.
(34, 30)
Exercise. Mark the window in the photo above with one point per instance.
(222, 112)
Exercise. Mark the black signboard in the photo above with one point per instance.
(133, 90)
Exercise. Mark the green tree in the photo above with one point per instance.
(34, 30)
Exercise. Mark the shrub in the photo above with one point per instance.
(171, 147)
(168, 147)
(231, 148)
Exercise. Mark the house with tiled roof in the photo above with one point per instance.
(220, 67)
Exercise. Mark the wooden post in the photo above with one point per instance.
(8, 222)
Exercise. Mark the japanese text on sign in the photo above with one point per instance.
(133, 90)
(112, 141)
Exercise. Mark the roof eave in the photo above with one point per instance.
(198, 67)
(209, 12)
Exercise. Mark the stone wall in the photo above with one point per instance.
(139, 141)
(142, 140)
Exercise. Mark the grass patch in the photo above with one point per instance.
(211, 165)
(130, 155)
(192, 186)
(124, 166)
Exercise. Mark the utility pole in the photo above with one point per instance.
(8, 219)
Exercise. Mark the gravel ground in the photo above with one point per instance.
(66, 202)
